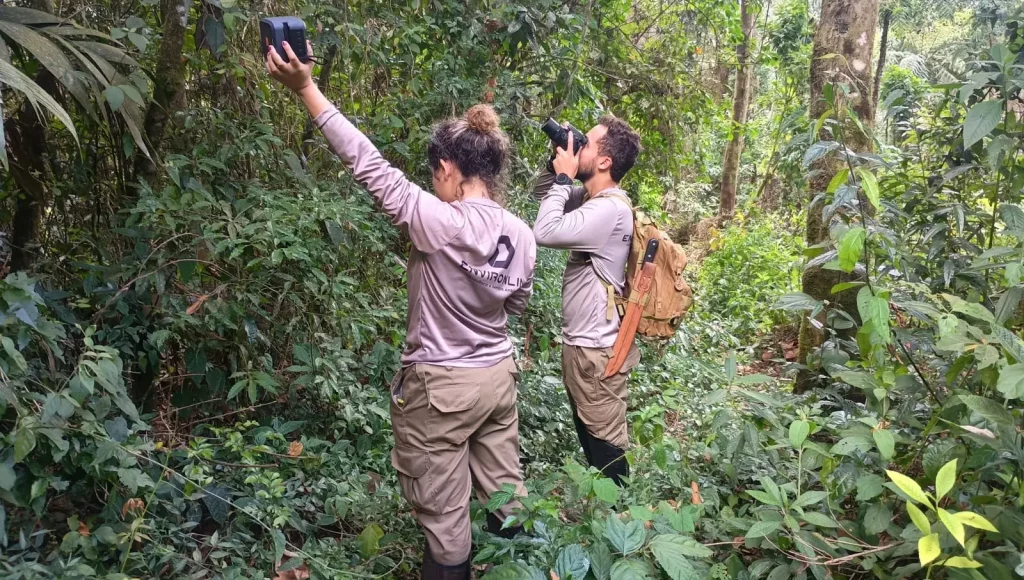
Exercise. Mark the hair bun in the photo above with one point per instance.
(482, 119)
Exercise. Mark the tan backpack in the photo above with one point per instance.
(669, 296)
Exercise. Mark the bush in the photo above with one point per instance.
(752, 263)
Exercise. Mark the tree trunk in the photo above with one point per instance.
(168, 82)
(846, 31)
(883, 48)
(26, 135)
(740, 102)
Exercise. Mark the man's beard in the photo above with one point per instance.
(585, 173)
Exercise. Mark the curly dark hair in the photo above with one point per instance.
(621, 143)
(476, 145)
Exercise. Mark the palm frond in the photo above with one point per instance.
(19, 81)
(50, 56)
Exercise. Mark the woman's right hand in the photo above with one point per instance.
(294, 74)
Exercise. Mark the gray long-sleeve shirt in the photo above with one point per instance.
(598, 233)
(470, 267)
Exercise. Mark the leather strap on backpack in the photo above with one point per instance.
(634, 308)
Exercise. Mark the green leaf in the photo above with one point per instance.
(981, 119)
(500, 497)
(961, 562)
(956, 529)
(606, 490)
(798, 431)
(761, 529)
(928, 549)
(975, 521)
(627, 569)
(869, 486)
(875, 309)
(877, 519)
(842, 286)
(237, 388)
(796, 301)
(945, 480)
(515, 571)
(24, 443)
(986, 355)
(848, 445)
(885, 442)
(809, 498)
(992, 411)
(670, 551)
(600, 560)
(17, 80)
(870, 185)
(369, 541)
(133, 479)
(115, 97)
(838, 179)
(851, 247)
(764, 497)
(1011, 381)
(280, 542)
(909, 487)
(572, 562)
(626, 538)
(641, 513)
(972, 309)
(1009, 341)
(819, 519)
(7, 478)
(920, 520)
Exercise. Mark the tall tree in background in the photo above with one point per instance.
(843, 43)
(883, 49)
(168, 82)
(740, 103)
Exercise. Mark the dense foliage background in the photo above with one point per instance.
(200, 311)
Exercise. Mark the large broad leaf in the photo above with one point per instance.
(798, 431)
(761, 529)
(981, 120)
(513, 571)
(817, 150)
(684, 545)
(885, 442)
(627, 569)
(920, 520)
(850, 248)
(975, 521)
(874, 308)
(626, 538)
(1010, 342)
(797, 301)
(869, 486)
(819, 519)
(877, 518)
(989, 409)
(1008, 304)
(670, 552)
(606, 490)
(572, 562)
(15, 79)
(369, 541)
(848, 445)
(1011, 381)
(27, 16)
(600, 561)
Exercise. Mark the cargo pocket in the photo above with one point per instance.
(605, 420)
(632, 359)
(452, 406)
(411, 465)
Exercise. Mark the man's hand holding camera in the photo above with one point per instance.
(565, 162)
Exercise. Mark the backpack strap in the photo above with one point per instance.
(611, 307)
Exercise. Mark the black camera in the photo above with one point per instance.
(275, 31)
(560, 136)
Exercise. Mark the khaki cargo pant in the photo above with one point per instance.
(600, 403)
(456, 429)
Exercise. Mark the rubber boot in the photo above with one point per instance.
(494, 527)
(431, 570)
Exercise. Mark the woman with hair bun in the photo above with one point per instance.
(453, 404)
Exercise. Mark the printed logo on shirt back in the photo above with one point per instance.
(505, 250)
